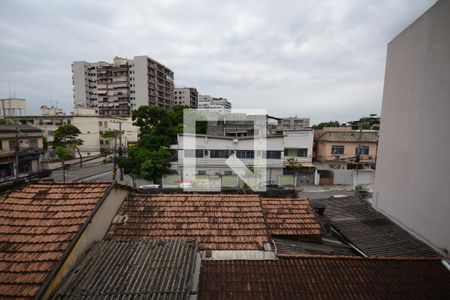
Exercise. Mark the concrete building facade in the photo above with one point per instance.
(412, 184)
(209, 102)
(187, 96)
(12, 106)
(124, 85)
(27, 141)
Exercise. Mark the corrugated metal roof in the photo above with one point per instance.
(318, 277)
(372, 232)
(152, 269)
(38, 222)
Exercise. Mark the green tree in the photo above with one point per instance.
(66, 136)
(326, 124)
(4, 121)
(63, 154)
(371, 122)
(296, 167)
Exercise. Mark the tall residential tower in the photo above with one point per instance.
(122, 86)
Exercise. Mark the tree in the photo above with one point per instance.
(296, 167)
(66, 136)
(63, 154)
(150, 157)
(326, 124)
(4, 121)
(371, 122)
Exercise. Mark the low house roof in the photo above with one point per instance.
(370, 231)
(347, 136)
(285, 216)
(151, 269)
(325, 277)
(39, 224)
(216, 221)
(219, 222)
(21, 127)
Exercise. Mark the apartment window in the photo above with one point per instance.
(191, 152)
(33, 143)
(219, 153)
(1, 145)
(201, 173)
(273, 154)
(337, 149)
(364, 150)
(303, 152)
(99, 123)
(245, 154)
(12, 145)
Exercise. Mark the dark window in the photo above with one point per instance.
(201, 173)
(273, 154)
(245, 154)
(190, 153)
(33, 143)
(219, 153)
(335, 149)
(12, 145)
(364, 150)
(303, 152)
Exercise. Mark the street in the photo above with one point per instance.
(97, 172)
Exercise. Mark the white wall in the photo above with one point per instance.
(140, 76)
(300, 139)
(79, 79)
(412, 183)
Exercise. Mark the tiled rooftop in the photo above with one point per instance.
(37, 224)
(153, 269)
(219, 222)
(370, 231)
(287, 217)
(317, 277)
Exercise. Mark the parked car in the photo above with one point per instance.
(185, 185)
(270, 185)
(147, 187)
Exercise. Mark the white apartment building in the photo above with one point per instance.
(209, 102)
(187, 96)
(124, 85)
(51, 111)
(12, 106)
(212, 151)
(298, 145)
(412, 183)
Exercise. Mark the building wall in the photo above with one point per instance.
(79, 80)
(294, 140)
(186, 96)
(95, 231)
(412, 183)
(140, 86)
(324, 150)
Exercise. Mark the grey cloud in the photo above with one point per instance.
(322, 59)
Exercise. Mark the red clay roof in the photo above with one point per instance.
(325, 278)
(37, 224)
(286, 216)
(231, 222)
(217, 221)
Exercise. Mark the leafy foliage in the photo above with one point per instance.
(371, 122)
(326, 124)
(158, 130)
(110, 134)
(66, 140)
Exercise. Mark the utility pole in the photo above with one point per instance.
(115, 159)
(120, 149)
(17, 149)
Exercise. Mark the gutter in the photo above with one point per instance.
(71, 246)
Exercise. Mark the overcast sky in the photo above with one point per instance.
(319, 59)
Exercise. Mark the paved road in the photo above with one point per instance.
(322, 195)
(100, 172)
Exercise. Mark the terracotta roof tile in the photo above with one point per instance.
(215, 221)
(317, 277)
(286, 217)
(37, 224)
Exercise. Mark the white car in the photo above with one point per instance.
(185, 185)
(150, 186)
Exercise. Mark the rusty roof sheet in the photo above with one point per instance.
(287, 217)
(372, 232)
(216, 221)
(37, 224)
(325, 278)
(151, 269)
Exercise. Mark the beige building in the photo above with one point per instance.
(12, 106)
(91, 126)
(30, 147)
(208, 102)
(186, 96)
(124, 85)
(412, 183)
(338, 147)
